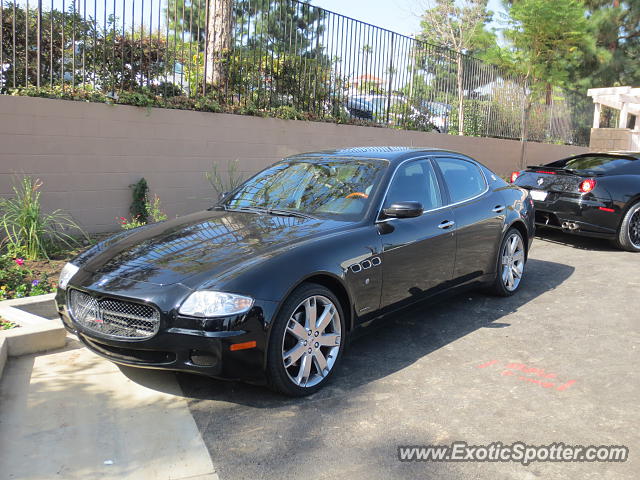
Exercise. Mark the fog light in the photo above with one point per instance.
(203, 359)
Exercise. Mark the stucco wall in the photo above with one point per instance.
(607, 139)
(88, 154)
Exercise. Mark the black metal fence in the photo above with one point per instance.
(281, 57)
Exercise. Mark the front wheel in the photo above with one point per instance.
(629, 232)
(511, 262)
(305, 344)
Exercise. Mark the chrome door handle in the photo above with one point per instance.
(498, 209)
(446, 224)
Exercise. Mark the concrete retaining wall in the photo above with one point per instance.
(88, 154)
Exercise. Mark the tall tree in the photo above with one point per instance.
(615, 26)
(456, 24)
(265, 26)
(545, 37)
(272, 25)
(219, 40)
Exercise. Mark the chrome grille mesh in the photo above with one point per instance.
(115, 318)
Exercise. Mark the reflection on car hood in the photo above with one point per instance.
(204, 242)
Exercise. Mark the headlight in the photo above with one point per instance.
(215, 304)
(67, 272)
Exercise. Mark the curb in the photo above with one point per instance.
(3, 354)
(35, 334)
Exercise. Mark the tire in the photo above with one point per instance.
(302, 353)
(629, 232)
(510, 264)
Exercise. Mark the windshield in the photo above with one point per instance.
(339, 188)
(594, 163)
(396, 104)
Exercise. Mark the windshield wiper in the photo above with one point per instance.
(269, 211)
(287, 213)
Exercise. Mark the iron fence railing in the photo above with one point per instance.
(280, 56)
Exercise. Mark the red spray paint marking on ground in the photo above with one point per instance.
(516, 370)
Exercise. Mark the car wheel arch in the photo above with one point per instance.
(330, 281)
(629, 203)
(522, 228)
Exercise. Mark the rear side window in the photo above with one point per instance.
(593, 163)
(464, 179)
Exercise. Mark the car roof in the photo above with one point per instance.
(392, 154)
(622, 153)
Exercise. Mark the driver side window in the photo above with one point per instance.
(415, 181)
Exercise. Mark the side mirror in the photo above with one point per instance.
(222, 195)
(404, 210)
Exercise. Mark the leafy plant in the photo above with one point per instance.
(154, 211)
(138, 207)
(224, 183)
(127, 224)
(18, 280)
(6, 324)
(28, 231)
(288, 113)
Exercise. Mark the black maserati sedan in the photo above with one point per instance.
(593, 194)
(268, 285)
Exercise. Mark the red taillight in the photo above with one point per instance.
(514, 175)
(547, 172)
(587, 185)
(605, 209)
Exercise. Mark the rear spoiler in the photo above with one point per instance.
(556, 170)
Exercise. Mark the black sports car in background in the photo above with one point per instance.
(268, 285)
(593, 194)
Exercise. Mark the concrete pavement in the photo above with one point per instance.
(72, 415)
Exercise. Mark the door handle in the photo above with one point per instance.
(498, 208)
(446, 224)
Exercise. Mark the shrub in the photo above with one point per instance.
(138, 207)
(29, 232)
(18, 280)
(222, 184)
(154, 211)
(286, 112)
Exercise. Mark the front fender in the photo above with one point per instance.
(331, 256)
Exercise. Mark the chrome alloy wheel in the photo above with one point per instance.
(512, 262)
(311, 341)
(634, 228)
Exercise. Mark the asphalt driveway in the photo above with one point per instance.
(558, 362)
(436, 374)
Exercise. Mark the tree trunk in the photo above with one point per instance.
(524, 136)
(459, 79)
(218, 41)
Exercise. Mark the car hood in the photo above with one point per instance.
(209, 242)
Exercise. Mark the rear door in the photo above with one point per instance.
(479, 214)
(418, 253)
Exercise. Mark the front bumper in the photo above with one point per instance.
(201, 346)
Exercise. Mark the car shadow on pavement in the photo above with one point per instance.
(575, 241)
(406, 337)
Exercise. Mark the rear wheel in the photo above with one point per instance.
(629, 232)
(511, 262)
(305, 344)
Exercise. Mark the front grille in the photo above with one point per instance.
(113, 318)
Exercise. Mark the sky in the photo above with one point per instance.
(397, 15)
(401, 16)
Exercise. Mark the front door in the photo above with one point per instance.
(418, 253)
